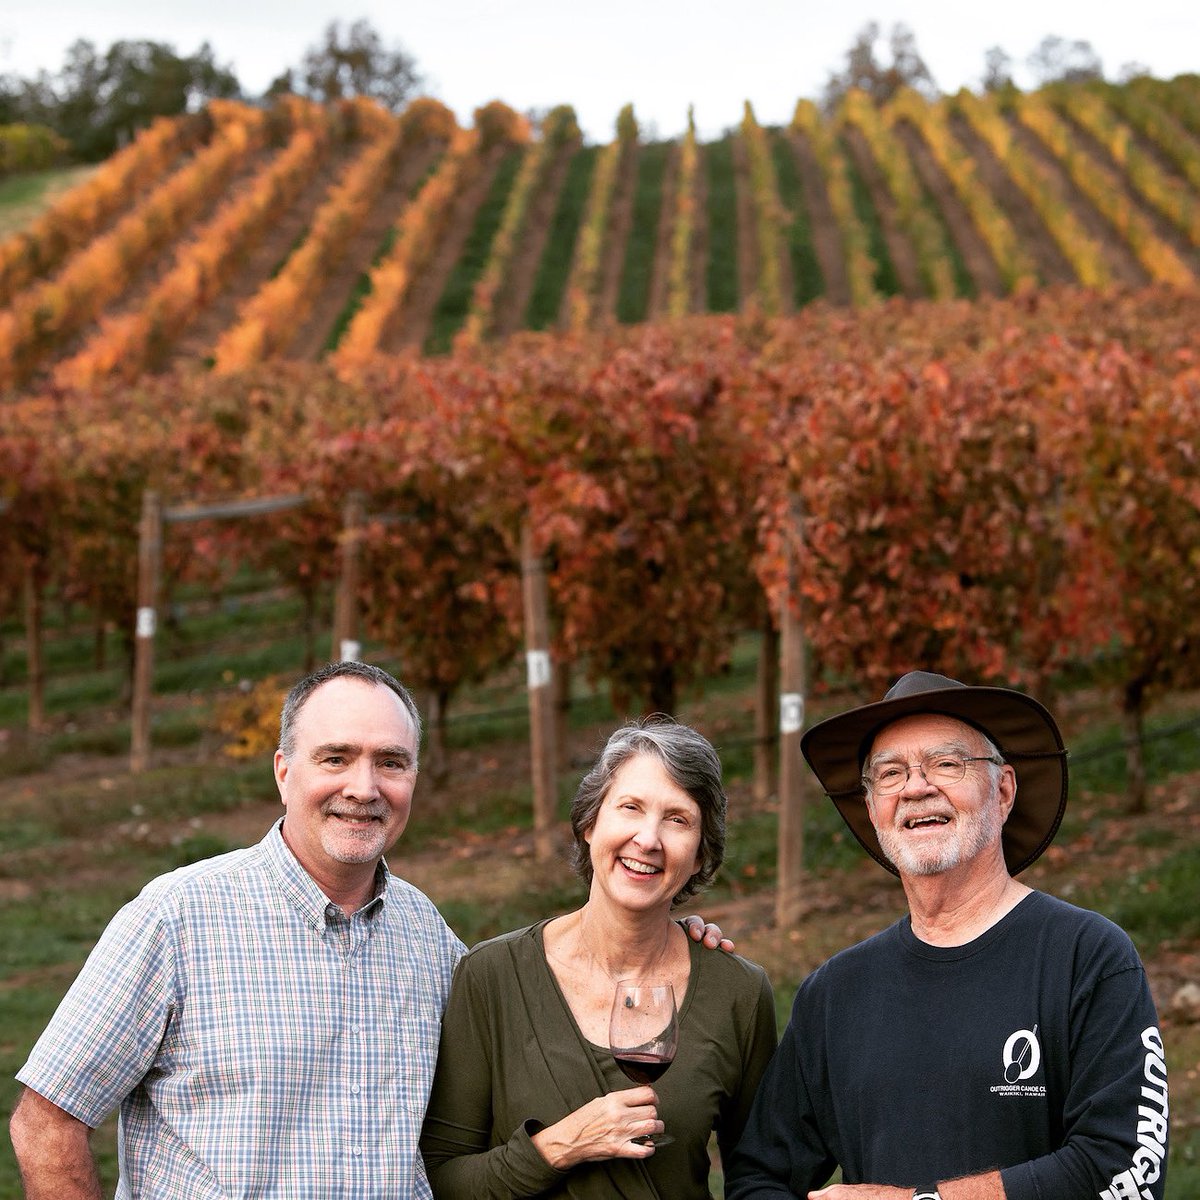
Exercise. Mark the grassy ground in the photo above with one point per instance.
(721, 271)
(551, 280)
(638, 263)
(455, 301)
(23, 196)
(886, 281)
(79, 835)
(807, 281)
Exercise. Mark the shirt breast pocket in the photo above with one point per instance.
(414, 1046)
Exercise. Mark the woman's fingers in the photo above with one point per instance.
(611, 1126)
(623, 1117)
(639, 1122)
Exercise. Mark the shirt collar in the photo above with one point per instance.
(301, 890)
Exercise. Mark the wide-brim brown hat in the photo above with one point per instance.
(1022, 729)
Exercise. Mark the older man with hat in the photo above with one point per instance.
(996, 1043)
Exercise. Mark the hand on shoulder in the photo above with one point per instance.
(707, 933)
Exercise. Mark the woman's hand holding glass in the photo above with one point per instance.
(607, 1127)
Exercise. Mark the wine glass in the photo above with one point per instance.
(643, 1034)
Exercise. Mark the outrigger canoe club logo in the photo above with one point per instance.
(1021, 1059)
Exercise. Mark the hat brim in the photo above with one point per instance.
(1023, 730)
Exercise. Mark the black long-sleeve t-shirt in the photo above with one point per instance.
(1033, 1049)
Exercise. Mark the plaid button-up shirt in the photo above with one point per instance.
(259, 1042)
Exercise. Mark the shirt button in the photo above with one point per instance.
(355, 1089)
(356, 1150)
(353, 1028)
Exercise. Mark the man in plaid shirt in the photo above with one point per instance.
(267, 1020)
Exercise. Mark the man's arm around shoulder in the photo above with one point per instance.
(53, 1151)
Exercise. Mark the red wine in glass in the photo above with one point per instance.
(641, 1068)
(643, 1034)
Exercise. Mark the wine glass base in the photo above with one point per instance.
(654, 1139)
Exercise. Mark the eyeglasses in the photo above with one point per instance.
(941, 770)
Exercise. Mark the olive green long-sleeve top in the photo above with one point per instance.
(513, 1061)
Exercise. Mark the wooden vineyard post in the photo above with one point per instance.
(766, 715)
(149, 569)
(150, 540)
(35, 662)
(543, 756)
(346, 644)
(792, 670)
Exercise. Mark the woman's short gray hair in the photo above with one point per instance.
(692, 764)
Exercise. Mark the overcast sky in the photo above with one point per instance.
(660, 55)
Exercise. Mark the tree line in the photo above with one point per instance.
(99, 99)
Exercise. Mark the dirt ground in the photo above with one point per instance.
(827, 239)
(980, 264)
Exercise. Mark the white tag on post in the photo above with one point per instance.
(350, 650)
(537, 664)
(791, 712)
(146, 622)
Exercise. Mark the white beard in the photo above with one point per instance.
(960, 842)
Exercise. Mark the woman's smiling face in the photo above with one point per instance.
(645, 843)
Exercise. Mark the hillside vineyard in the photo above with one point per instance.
(240, 235)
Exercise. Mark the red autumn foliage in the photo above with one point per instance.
(1005, 491)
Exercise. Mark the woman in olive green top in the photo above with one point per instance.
(527, 1100)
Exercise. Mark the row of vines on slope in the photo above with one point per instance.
(583, 286)
(932, 124)
(860, 268)
(1103, 188)
(270, 317)
(134, 341)
(44, 317)
(559, 129)
(1163, 129)
(921, 225)
(420, 227)
(681, 268)
(1082, 250)
(81, 214)
(416, 234)
(768, 216)
(1169, 195)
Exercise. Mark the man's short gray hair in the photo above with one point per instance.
(298, 697)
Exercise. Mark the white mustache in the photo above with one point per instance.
(358, 810)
